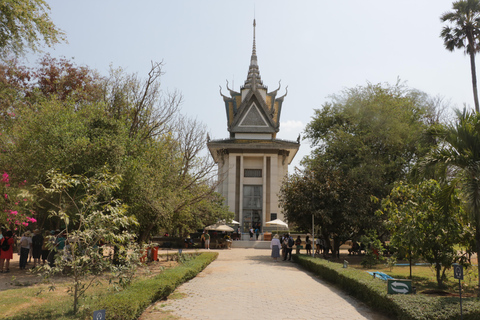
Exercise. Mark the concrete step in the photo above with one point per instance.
(251, 244)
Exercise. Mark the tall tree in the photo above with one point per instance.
(148, 111)
(458, 156)
(25, 24)
(61, 116)
(365, 139)
(421, 226)
(340, 205)
(372, 133)
(464, 34)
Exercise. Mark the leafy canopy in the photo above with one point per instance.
(421, 226)
(364, 140)
(25, 24)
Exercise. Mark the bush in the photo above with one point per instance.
(131, 302)
(373, 292)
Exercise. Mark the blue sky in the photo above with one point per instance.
(317, 48)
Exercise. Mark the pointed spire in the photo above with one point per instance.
(254, 51)
(253, 78)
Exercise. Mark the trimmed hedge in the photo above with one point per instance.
(373, 292)
(131, 302)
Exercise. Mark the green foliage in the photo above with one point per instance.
(61, 116)
(365, 139)
(373, 133)
(374, 249)
(131, 302)
(457, 157)
(93, 218)
(373, 292)
(426, 223)
(56, 135)
(26, 24)
(327, 193)
(391, 261)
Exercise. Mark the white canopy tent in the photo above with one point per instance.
(219, 227)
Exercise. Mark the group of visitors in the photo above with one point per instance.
(254, 230)
(285, 244)
(40, 247)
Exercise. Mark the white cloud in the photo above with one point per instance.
(291, 126)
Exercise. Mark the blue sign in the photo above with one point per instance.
(99, 315)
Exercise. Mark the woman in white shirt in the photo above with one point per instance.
(275, 246)
(25, 243)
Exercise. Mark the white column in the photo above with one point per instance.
(264, 191)
(230, 181)
(240, 214)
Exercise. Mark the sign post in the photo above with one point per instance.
(99, 315)
(396, 286)
(458, 274)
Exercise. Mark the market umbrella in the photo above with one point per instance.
(211, 227)
(219, 227)
(229, 222)
(277, 222)
(224, 227)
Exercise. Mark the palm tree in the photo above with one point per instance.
(459, 158)
(464, 34)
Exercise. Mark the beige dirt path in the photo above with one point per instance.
(247, 284)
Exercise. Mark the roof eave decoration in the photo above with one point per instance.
(236, 107)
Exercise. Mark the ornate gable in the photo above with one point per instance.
(253, 118)
(253, 110)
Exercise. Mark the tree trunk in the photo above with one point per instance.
(410, 261)
(145, 234)
(75, 295)
(438, 269)
(336, 247)
(474, 74)
(477, 240)
(327, 244)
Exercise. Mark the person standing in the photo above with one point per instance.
(275, 246)
(251, 233)
(317, 245)
(6, 251)
(284, 241)
(257, 233)
(207, 240)
(37, 243)
(202, 240)
(60, 242)
(308, 246)
(25, 245)
(288, 251)
(52, 251)
(45, 250)
(298, 243)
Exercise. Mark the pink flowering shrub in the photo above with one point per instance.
(15, 205)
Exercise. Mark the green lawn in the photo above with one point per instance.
(424, 277)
